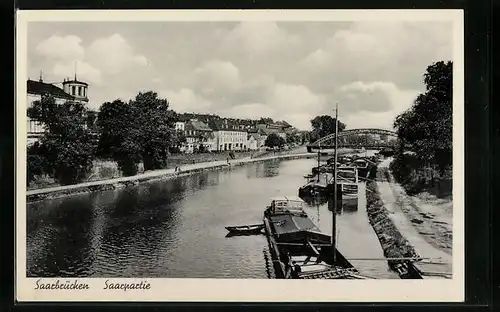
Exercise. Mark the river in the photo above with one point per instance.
(176, 228)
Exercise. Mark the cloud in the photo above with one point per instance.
(67, 48)
(317, 59)
(258, 38)
(113, 54)
(249, 110)
(386, 51)
(84, 70)
(185, 100)
(294, 98)
(156, 80)
(372, 104)
(216, 77)
(300, 120)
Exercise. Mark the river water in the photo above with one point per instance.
(176, 228)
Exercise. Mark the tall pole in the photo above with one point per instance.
(334, 212)
(319, 153)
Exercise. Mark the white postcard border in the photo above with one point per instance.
(247, 290)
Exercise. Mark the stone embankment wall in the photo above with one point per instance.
(393, 243)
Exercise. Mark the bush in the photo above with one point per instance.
(36, 164)
(416, 176)
(127, 166)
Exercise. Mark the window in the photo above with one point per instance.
(79, 91)
(73, 90)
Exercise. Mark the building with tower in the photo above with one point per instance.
(72, 90)
(77, 89)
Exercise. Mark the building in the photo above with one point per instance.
(261, 139)
(232, 139)
(198, 135)
(276, 128)
(72, 90)
(180, 126)
(253, 141)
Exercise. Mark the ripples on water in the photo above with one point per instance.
(176, 228)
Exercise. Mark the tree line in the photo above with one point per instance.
(426, 130)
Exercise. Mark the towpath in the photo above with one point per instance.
(397, 203)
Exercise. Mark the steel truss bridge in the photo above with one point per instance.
(345, 141)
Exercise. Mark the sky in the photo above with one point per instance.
(289, 71)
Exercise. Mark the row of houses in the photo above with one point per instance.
(226, 136)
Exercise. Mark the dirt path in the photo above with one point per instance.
(427, 227)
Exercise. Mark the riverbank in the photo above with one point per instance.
(393, 243)
(394, 209)
(431, 217)
(164, 174)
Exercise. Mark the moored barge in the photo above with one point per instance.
(298, 248)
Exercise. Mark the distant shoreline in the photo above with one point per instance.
(41, 194)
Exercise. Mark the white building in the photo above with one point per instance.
(231, 139)
(180, 126)
(72, 90)
(253, 141)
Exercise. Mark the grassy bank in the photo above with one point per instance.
(393, 243)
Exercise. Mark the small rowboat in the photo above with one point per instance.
(245, 229)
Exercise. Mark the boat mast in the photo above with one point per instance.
(334, 212)
(319, 153)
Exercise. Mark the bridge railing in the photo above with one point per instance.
(352, 132)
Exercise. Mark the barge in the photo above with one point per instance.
(299, 250)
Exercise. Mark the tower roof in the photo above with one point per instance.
(75, 81)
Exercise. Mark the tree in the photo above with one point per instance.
(91, 120)
(323, 126)
(266, 120)
(178, 139)
(274, 140)
(66, 150)
(155, 128)
(427, 125)
(143, 130)
(117, 136)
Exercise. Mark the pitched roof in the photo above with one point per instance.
(231, 129)
(268, 131)
(199, 125)
(42, 88)
(253, 135)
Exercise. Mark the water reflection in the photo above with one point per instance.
(65, 243)
(267, 169)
